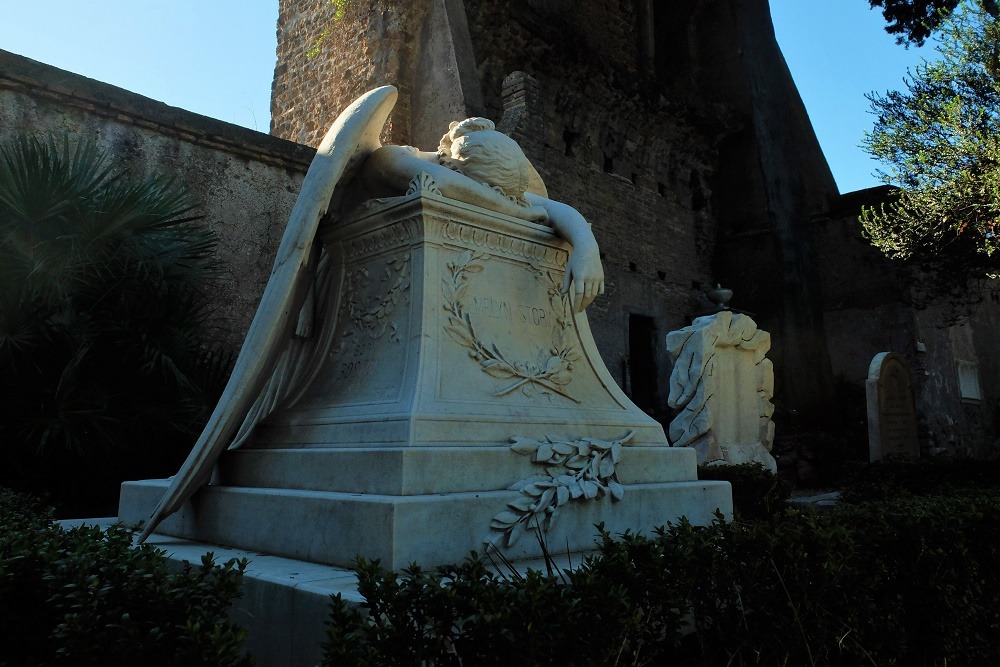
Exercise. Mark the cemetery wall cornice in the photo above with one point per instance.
(54, 85)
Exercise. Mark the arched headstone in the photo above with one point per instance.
(892, 419)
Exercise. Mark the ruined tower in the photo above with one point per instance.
(675, 128)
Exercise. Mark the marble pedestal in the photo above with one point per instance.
(457, 371)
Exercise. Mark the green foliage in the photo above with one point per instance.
(465, 614)
(107, 372)
(757, 492)
(87, 597)
(913, 20)
(339, 8)
(905, 477)
(902, 583)
(941, 141)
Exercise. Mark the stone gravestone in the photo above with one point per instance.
(722, 384)
(892, 418)
(456, 399)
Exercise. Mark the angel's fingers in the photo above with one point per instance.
(600, 289)
(578, 295)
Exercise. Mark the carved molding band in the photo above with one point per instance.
(550, 372)
(383, 238)
(492, 241)
(582, 469)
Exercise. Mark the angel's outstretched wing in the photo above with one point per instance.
(275, 360)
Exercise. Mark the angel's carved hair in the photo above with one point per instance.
(475, 149)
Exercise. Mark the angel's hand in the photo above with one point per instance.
(584, 278)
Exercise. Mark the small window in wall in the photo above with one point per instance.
(642, 360)
(968, 381)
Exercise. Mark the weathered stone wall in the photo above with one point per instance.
(329, 57)
(868, 309)
(246, 182)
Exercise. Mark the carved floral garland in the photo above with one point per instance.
(551, 370)
(375, 320)
(577, 470)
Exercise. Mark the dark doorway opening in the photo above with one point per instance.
(642, 361)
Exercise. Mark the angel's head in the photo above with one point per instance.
(475, 149)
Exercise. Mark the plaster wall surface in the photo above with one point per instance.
(245, 182)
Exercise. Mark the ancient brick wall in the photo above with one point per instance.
(330, 54)
(245, 182)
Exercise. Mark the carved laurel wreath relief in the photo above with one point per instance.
(549, 372)
(575, 470)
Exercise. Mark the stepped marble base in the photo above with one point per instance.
(430, 529)
(456, 369)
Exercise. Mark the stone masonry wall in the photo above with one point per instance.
(329, 55)
(246, 182)
(868, 309)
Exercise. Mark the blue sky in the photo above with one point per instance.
(216, 57)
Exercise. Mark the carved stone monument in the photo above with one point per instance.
(892, 418)
(722, 384)
(438, 389)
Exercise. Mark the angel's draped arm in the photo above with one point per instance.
(391, 168)
(584, 278)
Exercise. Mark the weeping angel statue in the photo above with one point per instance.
(293, 327)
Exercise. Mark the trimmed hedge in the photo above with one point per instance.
(895, 477)
(88, 597)
(909, 582)
(757, 492)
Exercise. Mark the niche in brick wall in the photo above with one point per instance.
(642, 361)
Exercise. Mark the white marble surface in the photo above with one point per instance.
(454, 341)
(431, 529)
(722, 383)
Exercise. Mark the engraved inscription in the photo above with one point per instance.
(362, 369)
(531, 315)
(499, 309)
(488, 307)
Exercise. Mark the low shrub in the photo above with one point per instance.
(895, 477)
(466, 614)
(86, 596)
(757, 492)
(907, 582)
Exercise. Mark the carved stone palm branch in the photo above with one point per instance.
(284, 342)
